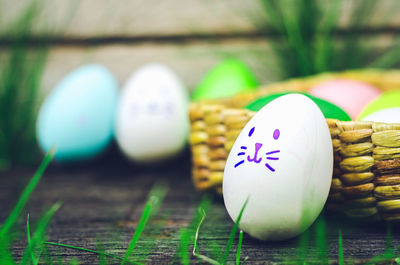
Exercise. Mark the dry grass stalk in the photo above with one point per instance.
(357, 149)
(361, 202)
(387, 192)
(356, 136)
(387, 180)
(357, 178)
(358, 191)
(357, 164)
(389, 205)
(387, 138)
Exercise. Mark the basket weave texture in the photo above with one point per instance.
(366, 176)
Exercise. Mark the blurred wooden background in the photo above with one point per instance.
(189, 36)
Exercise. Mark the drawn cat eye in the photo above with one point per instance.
(276, 134)
(251, 131)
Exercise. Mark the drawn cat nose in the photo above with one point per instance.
(258, 146)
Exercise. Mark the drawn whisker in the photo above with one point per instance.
(269, 167)
(239, 163)
(273, 152)
(255, 157)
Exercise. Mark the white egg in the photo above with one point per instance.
(152, 117)
(390, 115)
(282, 162)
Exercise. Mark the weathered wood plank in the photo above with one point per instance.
(190, 61)
(102, 18)
(105, 201)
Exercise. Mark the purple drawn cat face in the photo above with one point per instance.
(255, 157)
(152, 105)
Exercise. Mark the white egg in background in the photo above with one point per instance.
(152, 117)
(389, 115)
(282, 161)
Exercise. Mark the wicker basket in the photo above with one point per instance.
(366, 176)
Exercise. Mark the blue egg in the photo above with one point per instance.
(78, 115)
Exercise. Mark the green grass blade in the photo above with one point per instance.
(20, 74)
(325, 42)
(142, 224)
(149, 240)
(35, 260)
(202, 209)
(74, 262)
(39, 235)
(5, 255)
(340, 248)
(354, 53)
(295, 38)
(28, 233)
(90, 251)
(151, 208)
(274, 16)
(204, 205)
(307, 40)
(154, 226)
(196, 238)
(233, 232)
(156, 197)
(215, 249)
(47, 255)
(285, 56)
(239, 248)
(184, 246)
(194, 227)
(302, 246)
(388, 59)
(100, 248)
(244, 261)
(23, 199)
(389, 251)
(321, 240)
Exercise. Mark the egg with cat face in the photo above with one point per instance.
(152, 117)
(282, 163)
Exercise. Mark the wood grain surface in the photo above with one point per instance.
(103, 18)
(188, 36)
(190, 61)
(104, 200)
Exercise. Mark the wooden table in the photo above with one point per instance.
(103, 201)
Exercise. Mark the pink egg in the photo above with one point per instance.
(351, 95)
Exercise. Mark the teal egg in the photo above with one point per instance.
(78, 115)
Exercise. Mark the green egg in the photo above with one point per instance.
(225, 80)
(388, 99)
(329, 110)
